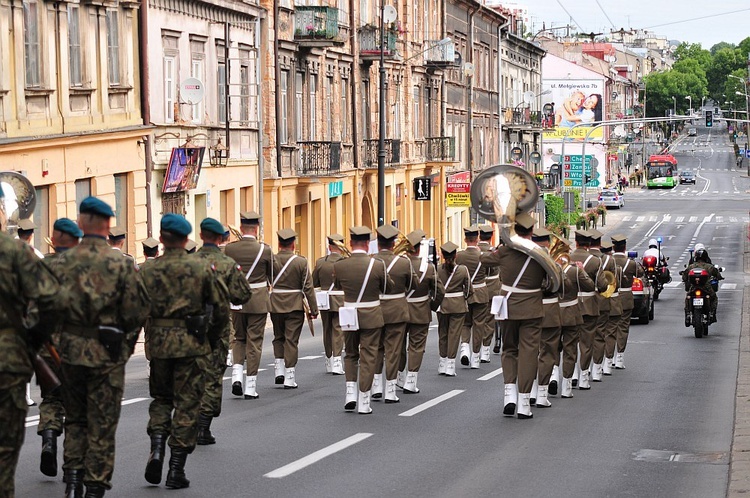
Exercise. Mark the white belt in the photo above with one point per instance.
(550, 300)
(626, 289)
(454, 294)
(480, 285)
(615, 294)
(517, 290)
(336, 293)
(285, 291)
(587, 294)
(387, 297)
(366, 304)
(417, 299)
(568, 304)
(492, 277)
(258, 285)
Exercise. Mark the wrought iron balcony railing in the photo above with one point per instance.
(522, 117)
(392, 152)
(441, 148)
(369, 42)
(316, 23)
(319, 158)
(440, 54)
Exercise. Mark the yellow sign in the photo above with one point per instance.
(579, 133)
(455, 199)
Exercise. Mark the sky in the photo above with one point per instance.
(674, 19)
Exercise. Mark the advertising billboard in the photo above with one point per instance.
(183, 169)
(575, 101)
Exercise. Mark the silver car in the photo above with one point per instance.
(611, 198)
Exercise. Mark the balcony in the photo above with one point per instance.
(440, 54)
(523, 117)
(392, 152)
(369, 43)
(316, 26)
(441, 149)
(319, 158)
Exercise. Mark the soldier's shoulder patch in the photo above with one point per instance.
(213, 267)
(239, 268)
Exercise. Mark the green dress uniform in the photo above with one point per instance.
(615, 311)
(184, 290)
(475, 323)
(333, 336)
(493, 289)
(549, 345)
(292, 284)
(602, 321)
(24, 279)
(630, 269)
(214, 364)
(452, 313)
(575, 282)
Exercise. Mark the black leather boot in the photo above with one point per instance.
(204, 430)
(156, 458)
(95, 491)
(73, 479)
(48, 463)
(176, 476)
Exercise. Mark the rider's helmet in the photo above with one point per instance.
(701, 255)
(699, 247)
(652, 243)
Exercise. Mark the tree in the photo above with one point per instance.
(720, 46)
(725, 61)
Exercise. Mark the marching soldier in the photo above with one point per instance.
(426, 294)
(214, 364)
(65, 235)
(363, 280)
(292, 285)
(589, 303)
(605, 306)
(24, 280)
(150, 248)
(189, 311)
(453, 308)
(615, 310)
(395, 312)
(333, 337)
(522, 329)
(191, 246)
(476, 317)
(108, 306)
(25, 232)
(117, 241)
(630, 270)
(493, 289)
(249, 321)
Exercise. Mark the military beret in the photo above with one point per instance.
(471, 231)
(415, 237)
(525, 220)
(449, 248)
(191, 246)
(360, 232)
(66, 225)
(150, 243)
(116, 233)
(213, 226)
(387, 232)
(486, 229)
(618, 238)
(92, 205)
(337, 237)
(249, 218)
(26, 225)
(176, 224)
(286, 235)
(606, 246)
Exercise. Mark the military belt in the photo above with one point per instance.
(336, 293)
(479, 285)
(550, 300)
(386, 297)
(568, 304)
(518, 290)
(286, 291)
(168, 322)
(626, 289)
(258, 285)
(586, 294)
(88, 331)
(492, 277)
(366, 304)
(420, 299)
(454, 294)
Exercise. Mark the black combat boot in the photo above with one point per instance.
(73, 478)
(176, 476)
(204, 430)
(48, 464)
(156, 458)
(95, 491)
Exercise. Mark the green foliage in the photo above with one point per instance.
(554, 206)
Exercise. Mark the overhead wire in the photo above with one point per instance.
(605, 13)
(569, 15)
(698, 18)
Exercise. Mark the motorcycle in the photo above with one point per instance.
(657, 273)
(698, 305)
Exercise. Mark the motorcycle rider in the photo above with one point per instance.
(655, 250)
(700, 259)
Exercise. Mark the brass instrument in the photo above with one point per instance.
(49, 242)
(344, 250)
(559, 251)
(501, 192)
(611, 284)
(18, 200)
(402, 245)
(233, 230)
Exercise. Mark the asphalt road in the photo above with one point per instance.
(662, 427)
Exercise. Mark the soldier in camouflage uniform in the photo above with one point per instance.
(65, 235)
(215, 364)
(108, 306)
(23, 278)
(189, 311)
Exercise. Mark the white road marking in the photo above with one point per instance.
(672, 284)
(667, 218)
(134, 400)
(431, 403)
(311, 357)
(693, 219)
(719, 219)
(640, 218)
(317, 456)
(627, 218)
(679, 219)
(491, 375)
(728, 286)
(33, 420)
(652, 218)
(732, 219)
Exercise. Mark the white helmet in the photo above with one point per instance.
(699, 247)
(652, 243)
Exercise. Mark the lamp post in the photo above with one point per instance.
(690, 100)
(381, 127)
(674, 112)
(746, 122)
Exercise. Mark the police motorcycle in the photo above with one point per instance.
(655, 266)
(698, 302)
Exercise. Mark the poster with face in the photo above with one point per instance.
(183, 169)
(577, 103)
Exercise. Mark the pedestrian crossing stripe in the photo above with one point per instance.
(728, 286)
(672, 284)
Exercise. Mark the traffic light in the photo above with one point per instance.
(709, 119)
(587, 178)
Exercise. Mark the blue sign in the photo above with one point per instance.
(335, 189)
(742, 152)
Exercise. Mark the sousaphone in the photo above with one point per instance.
(18, 200)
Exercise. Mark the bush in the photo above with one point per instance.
(554, 208)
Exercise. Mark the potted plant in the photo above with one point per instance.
(601, 210)
(582, 222)
(593, 217)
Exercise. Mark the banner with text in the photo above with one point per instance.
(575, 101)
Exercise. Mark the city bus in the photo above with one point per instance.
(661, 171)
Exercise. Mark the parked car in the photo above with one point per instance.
(692, 132)
(687, 177)
(612, 198)
(643, 301)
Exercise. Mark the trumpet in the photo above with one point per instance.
(235, 231)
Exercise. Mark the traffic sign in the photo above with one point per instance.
(458, 199)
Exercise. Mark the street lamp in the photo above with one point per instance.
(674, 112)
(747, 117)
(690, 100)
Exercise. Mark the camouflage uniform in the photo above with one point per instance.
(180, 286)
(215, 363)
(105, 291)
(23, 278)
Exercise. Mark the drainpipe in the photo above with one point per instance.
(259, 82)
(277, 96)
(470, 96)
(146, 109)
(353, 83)
(501, 142)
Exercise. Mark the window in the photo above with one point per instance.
(417, 124)
(365, 13)
(428, 110)
(196, 71)
(31, 43)
(283, 121)
(344, 109)
(313, 84)
(83, 190)
(298, 81)
(244, 93)
(41, 218)
(75, 72)
(329, 110)
(221, 92)
(113, 47)
(169, 89)
(343, 12)
(366, 118)
(121, 201)
(397, 114)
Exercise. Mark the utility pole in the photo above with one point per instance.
(381, 137)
